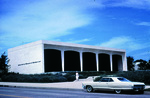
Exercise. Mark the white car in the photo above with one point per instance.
(117, 84)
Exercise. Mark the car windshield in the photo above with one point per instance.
(123, 80)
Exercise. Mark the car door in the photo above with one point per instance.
(103, 83)
(111, 84)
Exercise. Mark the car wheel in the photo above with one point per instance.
(141, 91)
(117, 91)
(89, 88)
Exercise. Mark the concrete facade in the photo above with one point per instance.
(48, 56)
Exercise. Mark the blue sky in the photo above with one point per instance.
(123, 24)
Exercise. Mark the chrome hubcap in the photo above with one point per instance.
(118, 91)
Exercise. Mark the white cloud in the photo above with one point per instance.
(29, 20)
(123, 42)
(144, 54)
(48, 19)
(46, 22)
(140, 4)
(79, 41)
(143, 23)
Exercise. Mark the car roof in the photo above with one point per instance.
(112, 77)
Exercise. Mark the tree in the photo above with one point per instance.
(130, 63)
(148, 65)
(4, 63)
(143, 65)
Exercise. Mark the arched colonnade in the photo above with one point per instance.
(69, 59)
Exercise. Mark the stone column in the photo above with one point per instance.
(111, 64)
(81, 62)
(62, 59)
(97, 62)
(124, 62)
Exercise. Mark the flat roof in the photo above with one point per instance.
(66, 44)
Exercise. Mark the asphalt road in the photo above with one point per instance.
(11, 92)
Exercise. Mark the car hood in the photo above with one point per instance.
(137, 83)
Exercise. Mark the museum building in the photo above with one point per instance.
(50, 56)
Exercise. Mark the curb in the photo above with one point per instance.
(41, 87)
(146, 89)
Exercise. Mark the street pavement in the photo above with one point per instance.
(75, 85)
(11, 92)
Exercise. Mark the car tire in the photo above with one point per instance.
(117, 91)
(89, 89)
(141, 92)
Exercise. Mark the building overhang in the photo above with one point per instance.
(81, 46)
(64, 44)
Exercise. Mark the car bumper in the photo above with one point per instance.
(138, 87)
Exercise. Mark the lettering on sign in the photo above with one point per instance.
(29, 63)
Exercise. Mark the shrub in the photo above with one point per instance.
(70, 77)
(139, 76)
(33, 78)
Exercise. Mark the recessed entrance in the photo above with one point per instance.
(71, 61)
(52, 60)
(117, 62)
(89, 61)
(104, 62)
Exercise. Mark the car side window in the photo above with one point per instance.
(111, 80)
(104, 79)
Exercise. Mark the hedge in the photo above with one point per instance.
(33, 78)
(139, 76)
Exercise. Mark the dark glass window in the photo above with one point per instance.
(111, 80)
(104, 79)
(123, 79)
